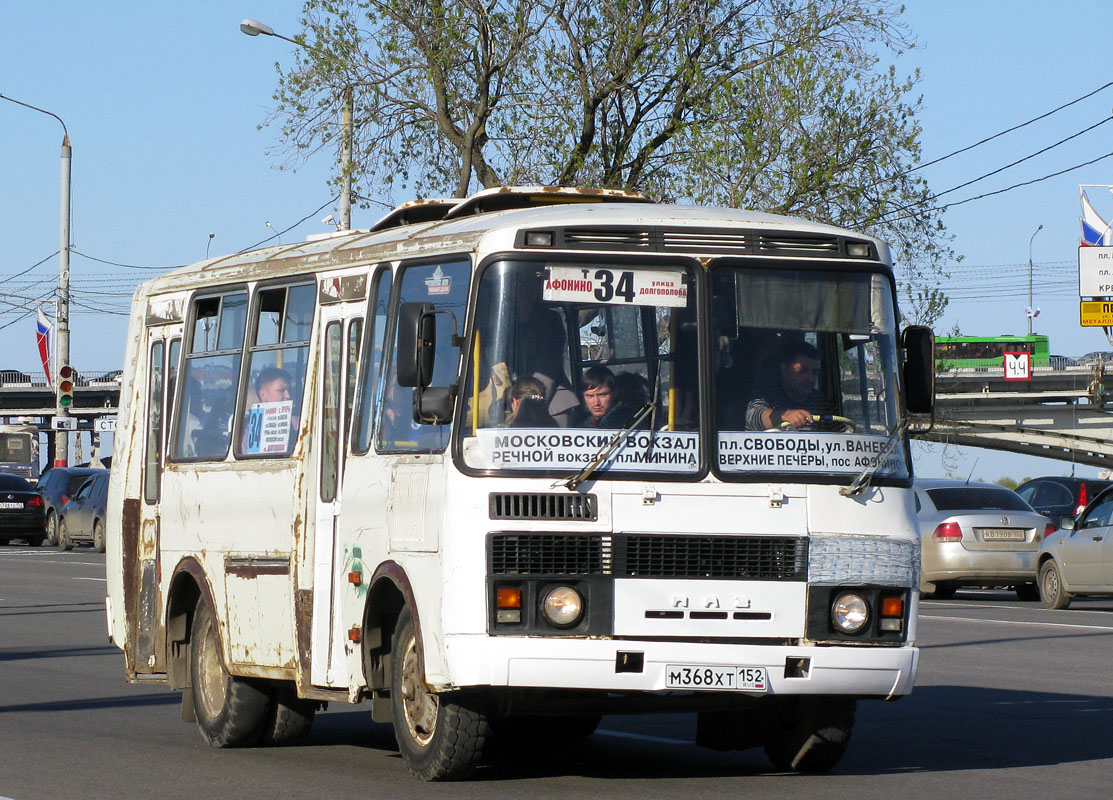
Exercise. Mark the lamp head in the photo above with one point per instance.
(253, 27)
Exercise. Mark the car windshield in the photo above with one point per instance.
(806, 372)
(977, 498)
(566, 355)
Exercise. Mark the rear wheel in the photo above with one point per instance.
(1028, 592)
(230, 711)
(809, 734)
(291, 718)
(64, 541)
(440, 736)
(52, 528)
(98, 536)
(1052, 592)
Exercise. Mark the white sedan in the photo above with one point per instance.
(1079, 558)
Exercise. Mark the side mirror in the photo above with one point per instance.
(1067, 524)
(433, 405)
(417, 344)
(919, 369)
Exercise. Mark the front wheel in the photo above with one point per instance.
(64, 541)
(52, 528)
(230, 711)
(98, 536)
(440, 736)
(1052, 592)
(809, 734)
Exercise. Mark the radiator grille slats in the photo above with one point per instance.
(650, 556)
(726, 241)
(534, 505)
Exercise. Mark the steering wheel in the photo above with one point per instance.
(846, 422)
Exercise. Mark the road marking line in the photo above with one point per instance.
(101, 580)
(1021, 622)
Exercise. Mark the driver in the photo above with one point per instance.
(793, 397)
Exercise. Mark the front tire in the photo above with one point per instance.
(52, 528)
(809, 734)
(98, 536)
(230, 711)
(64, 541)
(1052, 592)
(440, 736)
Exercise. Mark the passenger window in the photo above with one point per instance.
(368, 394)
(272, 398)
(152, 466)
(203, 422)
(446, 287)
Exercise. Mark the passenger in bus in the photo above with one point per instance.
(272, 385)
(602, 408)
(790, 396)
(527, 406)
(540, 352)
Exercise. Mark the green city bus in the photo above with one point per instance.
(988, 352)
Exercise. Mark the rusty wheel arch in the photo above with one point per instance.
(188, 586)
(390, 591)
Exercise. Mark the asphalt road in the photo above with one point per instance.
(1012, 701)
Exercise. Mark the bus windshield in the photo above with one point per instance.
(565, 356)
(805, 372)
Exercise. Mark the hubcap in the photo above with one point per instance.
(211, 688)
(420, 705)
(1051, 583)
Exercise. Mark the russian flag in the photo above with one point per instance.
(1096, 232)
(42, 338)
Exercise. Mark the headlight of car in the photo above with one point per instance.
(850, 612)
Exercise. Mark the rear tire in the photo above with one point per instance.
(1052, 592)
(291, 718)
(440, 736)
(230, 711)
(98, 536)
(64, 541)
(52, 528)
(809, 734)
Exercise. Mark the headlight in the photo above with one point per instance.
(849, 613)
(562, 606)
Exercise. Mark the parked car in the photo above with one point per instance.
(82, 517)
(1060, 498)
(58, 485)
(977, 534)
(21, 511)
(1078, 559)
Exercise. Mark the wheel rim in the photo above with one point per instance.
(211, 684)
(420, 706)
(1051, 583)
(52, 528)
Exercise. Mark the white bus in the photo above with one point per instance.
(19, 450)
(487, 466)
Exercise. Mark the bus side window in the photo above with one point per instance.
(367, 397)
(270, 418)
(446, 287)
(152, 466)
(210, 372)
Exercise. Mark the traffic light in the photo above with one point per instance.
(66, 377)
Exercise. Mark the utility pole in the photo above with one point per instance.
(1031, 308)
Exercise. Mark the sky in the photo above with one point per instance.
(164, 103)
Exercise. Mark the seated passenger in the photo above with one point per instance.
(601, 404)
(791, 396)
(527, 406)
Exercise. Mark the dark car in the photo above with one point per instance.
(82, 517)
(1060, 498)
(21, 511)
(57, 486)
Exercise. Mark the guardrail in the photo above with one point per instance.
(17, 378)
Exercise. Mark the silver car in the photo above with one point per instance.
(977, 534)
(1079, 558)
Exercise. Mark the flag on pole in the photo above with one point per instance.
(1096, 232)
(42, 337)
(1032, 312)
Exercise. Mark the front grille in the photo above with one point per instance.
(605, 238)
(549, 554)
(798, 243)
(746, 557)
(699, 241)
(532, 505)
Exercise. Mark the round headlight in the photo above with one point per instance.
(849, 613)
(562, 606)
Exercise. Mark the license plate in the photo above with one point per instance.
(1001, 534)
(11, 505)
(694, 676)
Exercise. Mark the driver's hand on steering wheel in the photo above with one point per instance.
(798, 417)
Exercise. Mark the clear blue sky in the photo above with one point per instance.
(163, 104)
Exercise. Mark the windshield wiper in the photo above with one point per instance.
(866, 475)
(604, 452)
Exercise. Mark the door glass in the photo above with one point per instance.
(152, 466)
(330, 410)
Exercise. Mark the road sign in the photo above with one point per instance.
(1095, 313)
(1018, 366)
(63, 423)
(104, 425)
(1095, 272)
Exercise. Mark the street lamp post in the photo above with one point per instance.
(1030, 310)
(252, 27)
(62, 342)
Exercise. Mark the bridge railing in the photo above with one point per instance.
(14, 378)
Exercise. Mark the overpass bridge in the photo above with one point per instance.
(1064, 412)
